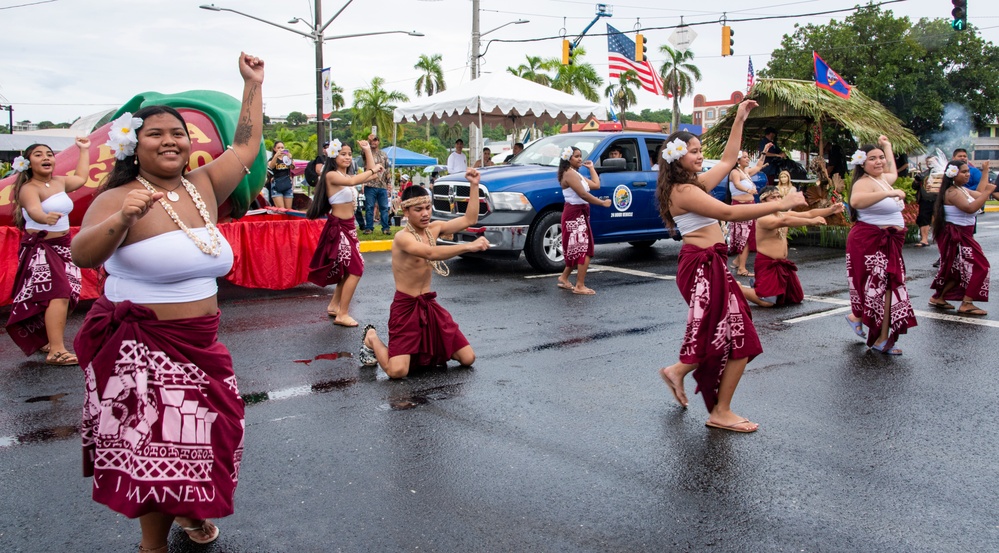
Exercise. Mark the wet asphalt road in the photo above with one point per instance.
(562, 437)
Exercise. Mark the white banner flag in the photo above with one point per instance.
(327, 93)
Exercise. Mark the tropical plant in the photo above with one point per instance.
(621, 93)
(431, 79)
(297, 118)
(374, 106)
(336, 96)
(575, 77)
(533, 71)
(678, 75)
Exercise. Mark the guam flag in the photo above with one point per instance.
(828, 79)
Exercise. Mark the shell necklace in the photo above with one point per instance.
(440, 267)
(213, 233)
(887, 188)
(46, 183)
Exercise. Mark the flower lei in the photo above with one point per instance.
(334, 148)
(951, 171)
(121, 136)
(566, 153)
(674, 150)
(859, 157)
(20, 164)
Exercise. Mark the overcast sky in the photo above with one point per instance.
(65, 58)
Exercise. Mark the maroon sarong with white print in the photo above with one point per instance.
(577, 236)
(163, 419)
(962, 261)
(719, 323)
(741, 235)
(337, 254)
(420, 327)
(874, 265)
(45, 272)
(777, 277)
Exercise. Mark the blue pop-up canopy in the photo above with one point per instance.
(402, 157)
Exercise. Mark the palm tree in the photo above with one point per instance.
(336, 95)
(621, 93)
(431, 80)
(532, 71)
(678, 77)
(575, 77)
(374, 105)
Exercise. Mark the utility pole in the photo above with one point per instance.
(10, 116)
(474, 132)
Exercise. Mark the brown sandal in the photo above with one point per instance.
(62, 359)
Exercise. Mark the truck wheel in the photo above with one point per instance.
(642, 243)
(544, 243)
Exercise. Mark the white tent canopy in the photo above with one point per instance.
(499, 99)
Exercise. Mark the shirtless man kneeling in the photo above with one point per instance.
(776, 279)
(420, 331)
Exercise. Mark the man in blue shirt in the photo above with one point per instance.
(976, 174)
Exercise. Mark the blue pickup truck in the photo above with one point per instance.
(520, 204)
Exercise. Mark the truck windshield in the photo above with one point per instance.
(547, 150)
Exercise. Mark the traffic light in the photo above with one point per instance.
(640, 48)
(566, 52)
(960, 13)
(728, 41)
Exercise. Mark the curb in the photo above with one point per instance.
(991, 208)
(386, 245)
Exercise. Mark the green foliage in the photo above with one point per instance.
(679, 74)
(913, 69)
(297, 118)
(373, 106)
(578, 77)
(433, 148)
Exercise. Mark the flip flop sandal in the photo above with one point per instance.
(943, 305)
(974, 311)
(206, 528)
(732, 427)
(919, 245)
(45, 349)
(745, 273)
(565, 286)
(880, 348)
(62, 359)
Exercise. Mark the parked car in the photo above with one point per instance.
(520, 205)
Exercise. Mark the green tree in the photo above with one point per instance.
(913, 69)
(431, 79)
(621, 93)
(374, 106)
(46, 125)
(679, 75)
(575, 77)
(533, 71)
(297, 118)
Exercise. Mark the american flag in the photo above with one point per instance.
(621, 58)
(750, 74)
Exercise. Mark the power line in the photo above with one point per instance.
(24, 5)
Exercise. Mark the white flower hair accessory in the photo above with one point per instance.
(859, 157)
(951, 171)
(566, 153)
(334, 148)
(20, 164)
(121, 137)
(674, 150)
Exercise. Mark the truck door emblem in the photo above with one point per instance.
(622, 198)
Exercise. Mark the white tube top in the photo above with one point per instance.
(744, 182)
(955, 216)
(570, 195)
(166, 268)
(344, 196)
(884, 213)
(689, 222)
(60, 202)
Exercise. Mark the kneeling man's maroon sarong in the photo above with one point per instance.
(45, 272)
(420, 327)
(777, 277)
(337, 254)
(963, 261)
(577, 236)
(874, 265)
(163, 420)
(719, 323)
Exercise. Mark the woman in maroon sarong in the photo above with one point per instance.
(338, 257)
(874, 263)
(720, 338)
(577, 234)
(742, 234)
(163, 418)
(47, 283)
(964, 269)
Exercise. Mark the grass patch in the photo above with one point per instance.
(377, 234)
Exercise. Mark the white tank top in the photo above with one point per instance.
(955, 216)
(570, 195)
(689, 222)
(166, 268)
(884, 213)
(344, 196)
(746, 183)
(60, 202)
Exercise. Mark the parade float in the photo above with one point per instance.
(271, 248)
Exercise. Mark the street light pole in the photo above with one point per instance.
(316, 36)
